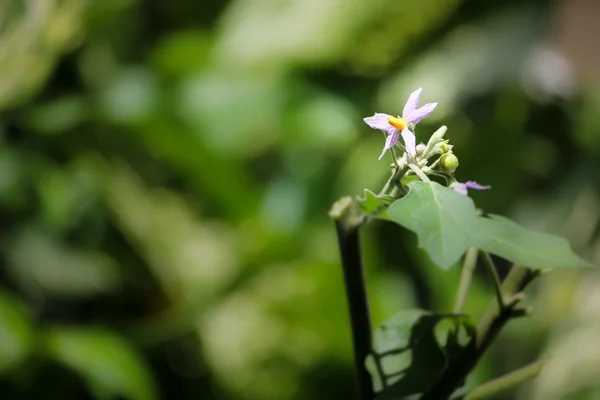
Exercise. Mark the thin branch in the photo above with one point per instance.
(518, 278)
(465, 280)
(505, 382)
(395, 157)
(386, 187)
(488, 329)
(491, 268)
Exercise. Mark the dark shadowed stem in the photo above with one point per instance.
(491, 268)
(505, 382)
(488, 329)
(465, 280)
(347, 223)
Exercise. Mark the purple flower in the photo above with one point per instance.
(396, 126)
(462, 187)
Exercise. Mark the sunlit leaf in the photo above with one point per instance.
(444, 220)
(182, 53)
(40, 264)
(131, 97)
(509, 240)
(16, 333)
(108, 363)
(412, 348)
(447, 224)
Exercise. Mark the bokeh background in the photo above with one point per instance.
(166, 168)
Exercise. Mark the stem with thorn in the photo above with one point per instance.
(347, 223)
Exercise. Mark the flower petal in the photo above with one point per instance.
(412, 103)
(380, 121)
(409, 141)
(390, 141)
(462, 187)
(421, 113)
(476, 186)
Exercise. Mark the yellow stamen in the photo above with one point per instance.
(397, 123)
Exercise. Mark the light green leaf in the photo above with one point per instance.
(408, 179)
(16, 332)
(509, 240)
(108, 363)
(444, 220)
(40, 264)
(411, 349)
(373, 205)
(446, 224)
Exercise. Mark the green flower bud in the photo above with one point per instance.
(426, 170)
(445, 147)
(449, 162)
(420, 148)
(422, 163)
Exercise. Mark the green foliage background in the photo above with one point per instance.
(166, 168)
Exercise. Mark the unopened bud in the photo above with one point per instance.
(449, 162)
(434, 141)
(426, 170)
(445, 147)
(422, 163)
(420, 148)
(439, 134)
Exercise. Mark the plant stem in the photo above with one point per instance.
(388, 183)
(488, 329)
(465, 280)
(347, 223)
(505, 382)
(491, 267)
(419, 173)
(518, 278)
(393, 152)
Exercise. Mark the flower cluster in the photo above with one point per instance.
(396, 126)
(404, 126)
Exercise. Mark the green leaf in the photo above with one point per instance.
(39, 263)
(408, 179)
(509, 240)
(446, 224)
(373, 205)
(412, 349)
(16, 332)
(106, 361)
(444, 220)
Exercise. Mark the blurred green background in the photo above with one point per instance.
(166, 168)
